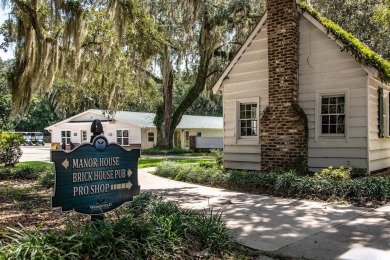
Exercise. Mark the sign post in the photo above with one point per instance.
(95, 178)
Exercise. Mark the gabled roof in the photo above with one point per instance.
(145, 120)
(372, 62)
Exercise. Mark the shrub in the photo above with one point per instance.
(10, 151)
(331, 184)
(218, 156)
(148, 228)
(358, 172)
(46, 178)
(335, 174)
(157, 151)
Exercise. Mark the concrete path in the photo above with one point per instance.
(294, 228)
(35, 153)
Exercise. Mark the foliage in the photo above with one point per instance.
(10, 151)
(358, 172)
(218, 156)
(335, 174)
(148, 228)
(6, 123)
(27, 171)
(38, 116)
(351, 44)
(162, 151)
(90, 51)
(286, 184)
(153, 162)
(382, 13)
(359, 18)
(201, 37)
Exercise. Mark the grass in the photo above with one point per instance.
(154, 162)
(173, 151)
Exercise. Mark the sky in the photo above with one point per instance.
(10, 53)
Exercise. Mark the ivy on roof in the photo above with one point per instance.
(361, 52)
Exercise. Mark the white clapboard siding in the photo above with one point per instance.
(247, 79)
(323, 68)
(379, 147)
(241, 165)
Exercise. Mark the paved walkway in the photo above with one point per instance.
(295, 228)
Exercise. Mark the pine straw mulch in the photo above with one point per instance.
(24, 203)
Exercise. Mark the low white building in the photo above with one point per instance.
(132, 129)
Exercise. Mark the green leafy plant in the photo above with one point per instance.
(10, 151)
(331, 184)
(335, 174)
(148, 228)
(218, 156)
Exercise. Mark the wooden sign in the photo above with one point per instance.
(95, 178)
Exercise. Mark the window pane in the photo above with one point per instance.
(125, 141)
(325, 100)
(324, 109)
(247, 114)
(125, 133)
(340, 109)
(325, 129)
(325, 119)
(332, 109)
(333, 119)
(119, 133)
(332, 129)
(67, 133)
(254, 124)
(340, 100)
(119, 141)
(254, 131)
(242, 114)
(332, 100)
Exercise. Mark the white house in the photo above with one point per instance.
(133, 129)
(296, 93)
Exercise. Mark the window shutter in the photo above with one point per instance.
(381, 123)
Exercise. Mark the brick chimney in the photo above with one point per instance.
(283, 124)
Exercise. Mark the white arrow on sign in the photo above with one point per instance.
(129, 173)
(120, 186)
(65, 163)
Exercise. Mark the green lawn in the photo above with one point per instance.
(153, 162)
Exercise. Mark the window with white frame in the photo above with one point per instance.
(84, 137)
(383, 112)
(65, 136)
(333, 114)
(248, 119)
(151, 137)
(122, 137)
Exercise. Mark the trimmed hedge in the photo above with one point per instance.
(288, 184)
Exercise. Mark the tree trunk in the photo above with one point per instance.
(163, 117)
(166, 120)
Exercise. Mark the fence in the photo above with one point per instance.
(202, 144)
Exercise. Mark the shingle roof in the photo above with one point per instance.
(146, 120)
